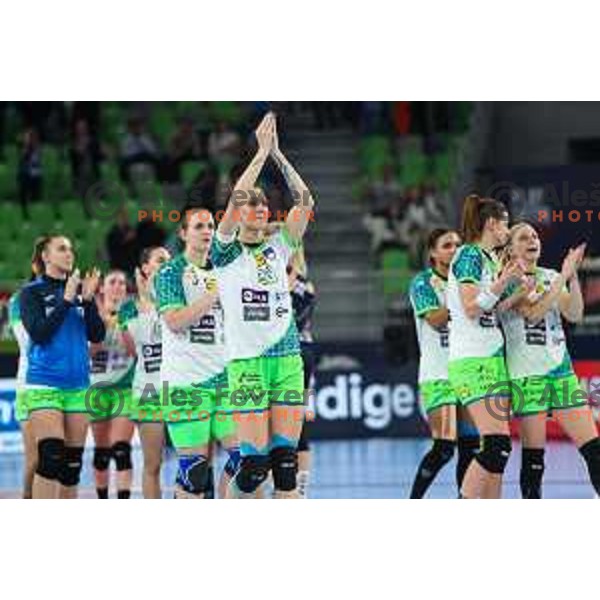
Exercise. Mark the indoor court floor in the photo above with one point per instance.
(362, 469)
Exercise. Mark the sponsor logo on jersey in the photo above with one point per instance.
(250, 296)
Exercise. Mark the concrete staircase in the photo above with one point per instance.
(350, 305)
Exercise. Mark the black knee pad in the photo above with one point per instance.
(303, 444)
(442, 451)
(252, 473)
(532, 472)
(284, 464)
(121, 452)
(494, 453)
(51, 458)
(102, 458)
(193, 474)
(73, 462)
(591, 454)
(233, 462)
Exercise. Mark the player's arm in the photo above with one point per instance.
(179, 319)
(476, 298)
(172, 304)
(125, 318)
(40, 326)
(302, 211)
(571, 302)
(94, 325)
(247, 181)
(129, 343)
(535, 308)
(426, 303)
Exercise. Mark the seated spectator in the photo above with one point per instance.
(422, 213)
(385, 208)
(138, 149)
(86, 155)
(224, 146)
(29, 174)
(121, 244)
(185, 145)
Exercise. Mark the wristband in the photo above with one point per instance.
(487, 300)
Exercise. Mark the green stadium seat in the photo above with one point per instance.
(442, 170)
(11, 216)
(190, 172)
(396, 271)
(42, 213)
(229, 112)
(72, 216)
(374, 153)
(8, 184)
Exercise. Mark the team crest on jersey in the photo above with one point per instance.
(266, 275)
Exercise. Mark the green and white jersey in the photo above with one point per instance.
(196, 354)
(480, 337)
(259, 320)
(536, 347)
(428, 293)
(21, 335)
(145, 330)
(112, 363)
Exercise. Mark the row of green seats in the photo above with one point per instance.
(396, 271)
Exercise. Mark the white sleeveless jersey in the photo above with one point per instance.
(145, 330)
(480, 337)
(428, 293)
(259, 319)
(196, 354)
(21, 335)
(536, 347)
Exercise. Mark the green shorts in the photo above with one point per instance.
(540, 394)
(435, 394)
(257, 383)
(194, 417)
(21, 410)
(108, 403)
(476, 378)
(67, 401)
(145, 408)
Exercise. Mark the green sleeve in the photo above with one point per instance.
(423, 296)
(127, 313)
(169, 288)
(14, 313)
(468, 266)
(224, 253)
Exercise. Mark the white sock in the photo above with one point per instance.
(303, 479)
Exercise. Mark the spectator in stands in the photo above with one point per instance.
(385, 209)
(185, 145)
(89, 112)
(122, 245)
(35, 115)
(85, 154)
(29, 175)
(372, 117)
(224, 145)
(138, 150)
(422, 213)
(401, 117)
